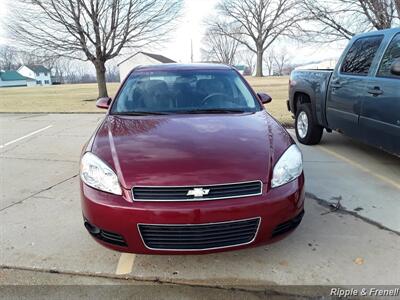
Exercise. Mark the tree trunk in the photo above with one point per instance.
(259, 70)
(269, 67)
(101, 78)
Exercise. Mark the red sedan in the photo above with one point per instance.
(187, 160)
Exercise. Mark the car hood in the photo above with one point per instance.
(174, 150)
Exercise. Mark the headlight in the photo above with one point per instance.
(288, 167)
(97, 174)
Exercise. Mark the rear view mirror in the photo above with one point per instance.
(265, 98)
(395, 67)
(103, 102)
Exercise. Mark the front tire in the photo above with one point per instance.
(308, 132)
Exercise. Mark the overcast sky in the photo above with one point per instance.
(192, 28)
(3, 12)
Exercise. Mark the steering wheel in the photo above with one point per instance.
(213, 95)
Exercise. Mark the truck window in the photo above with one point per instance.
(360, 56)
(391, 54)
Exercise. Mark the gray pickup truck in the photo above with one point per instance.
(359, 98)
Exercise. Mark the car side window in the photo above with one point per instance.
(392, 53)
(359, 58)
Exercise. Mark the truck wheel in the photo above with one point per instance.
(307, 131)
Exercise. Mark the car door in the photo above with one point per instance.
(380, 116)
(348, 85)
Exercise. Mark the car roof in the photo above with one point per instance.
(178, 67)
(390, 31)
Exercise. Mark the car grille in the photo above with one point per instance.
(199, 237)
(182, 193)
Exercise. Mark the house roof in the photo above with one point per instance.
(11, 76)
(38, 68)
(158, 57)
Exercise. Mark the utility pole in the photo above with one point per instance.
(191, 50)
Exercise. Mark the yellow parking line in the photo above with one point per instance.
(125, 263)
(361, 167)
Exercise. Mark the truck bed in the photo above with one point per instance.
(313, 83)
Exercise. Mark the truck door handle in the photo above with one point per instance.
(336, 84)
(376, 91)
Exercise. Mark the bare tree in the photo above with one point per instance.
(112, 74)
(93, 30)
(269, 61)
(247, 57)
(342, 19)
(261, 22)
(62, 68)
(8, 58)
(219, 47)
(30, 58)
(12, 58)
(381, 13)
(72, 77)
(24, 57)
(281, 59)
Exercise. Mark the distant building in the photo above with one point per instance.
(138, 59)
(41, 74)
(14, 79)
(321, 65)
(242, 69)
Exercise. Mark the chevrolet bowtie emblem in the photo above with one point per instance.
(198, 192)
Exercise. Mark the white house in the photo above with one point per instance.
(140, 59)
(41, 74)
(14, 79)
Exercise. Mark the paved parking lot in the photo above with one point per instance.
(42, 230)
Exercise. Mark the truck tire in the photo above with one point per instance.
(308, 132)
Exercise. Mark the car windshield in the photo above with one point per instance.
(185, 91)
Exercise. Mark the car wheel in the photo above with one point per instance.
(307, 131)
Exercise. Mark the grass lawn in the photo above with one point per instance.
(54, 98)
(277, 88)
(81, 97)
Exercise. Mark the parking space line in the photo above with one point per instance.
(125, 263)
(25, 136)
(361, 167)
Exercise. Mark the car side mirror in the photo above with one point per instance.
(103, 102)
(395, 67)
(265, 98)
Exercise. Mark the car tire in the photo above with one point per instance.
(308, 132)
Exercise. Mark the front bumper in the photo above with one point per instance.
(114, 220)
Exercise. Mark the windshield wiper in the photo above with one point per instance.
(140, 113)
(211, 111)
